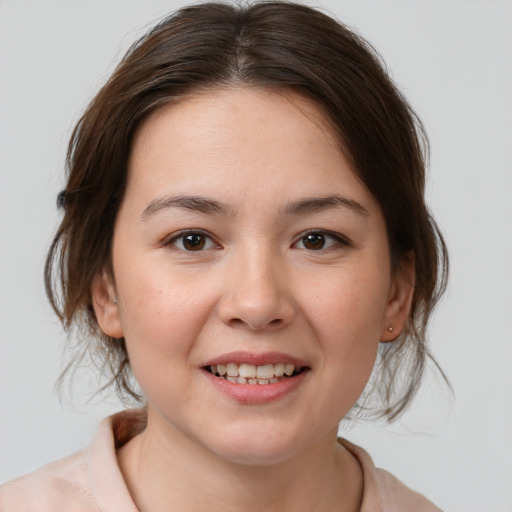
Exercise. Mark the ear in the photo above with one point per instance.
(106, 308)
(399, 300)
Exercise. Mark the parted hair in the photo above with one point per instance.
(269, 44)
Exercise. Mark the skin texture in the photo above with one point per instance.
(257, 285)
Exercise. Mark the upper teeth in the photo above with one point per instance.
(252, 371)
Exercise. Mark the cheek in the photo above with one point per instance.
(162, 315)
(350, 306)
(347, 321)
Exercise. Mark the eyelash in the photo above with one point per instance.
(177, 237)
(209, 242)
(338, 239)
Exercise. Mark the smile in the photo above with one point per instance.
(245, 373)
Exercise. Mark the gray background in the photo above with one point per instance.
(453, 61)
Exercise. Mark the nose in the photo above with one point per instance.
(256, 292)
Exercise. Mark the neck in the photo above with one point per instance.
(162, 467)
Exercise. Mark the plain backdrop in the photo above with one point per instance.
(453, 61)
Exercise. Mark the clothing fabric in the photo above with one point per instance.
(91, 481)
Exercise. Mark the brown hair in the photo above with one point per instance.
(266, 44)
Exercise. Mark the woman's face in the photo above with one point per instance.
(246, 243)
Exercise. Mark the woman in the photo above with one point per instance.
(244, 227)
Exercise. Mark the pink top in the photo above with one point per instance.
(91, 481)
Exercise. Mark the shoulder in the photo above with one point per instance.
(61, 485)
(383, 492)
(88, 481)
(397, 497)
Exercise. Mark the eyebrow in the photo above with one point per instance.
(209, 206)
(193, 203)
(315, 204)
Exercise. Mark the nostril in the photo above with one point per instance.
(238, 322)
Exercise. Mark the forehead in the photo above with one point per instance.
(240, 113)
(240, 141)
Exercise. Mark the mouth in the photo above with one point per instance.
(256, 378)
(252, 374)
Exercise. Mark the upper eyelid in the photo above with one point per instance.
(189, 231)
(181, 233)
(342, 238)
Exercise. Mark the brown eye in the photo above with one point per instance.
(314, 241)
(320, 240)
(192, 241)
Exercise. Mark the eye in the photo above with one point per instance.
(318, 240)
(192, 241)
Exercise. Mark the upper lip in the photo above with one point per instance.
(239, 357)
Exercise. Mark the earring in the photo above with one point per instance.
(390, 329)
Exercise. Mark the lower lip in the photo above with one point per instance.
(256, 393)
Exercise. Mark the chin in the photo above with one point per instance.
(255, 447)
